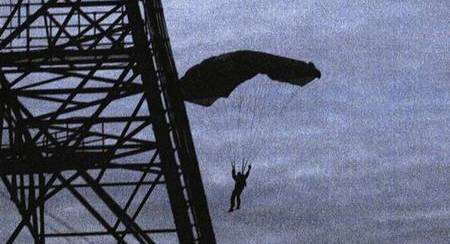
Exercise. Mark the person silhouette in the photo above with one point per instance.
(240, 183)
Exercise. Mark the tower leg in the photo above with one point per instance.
(41, 210)
(152, 91)
(182, 131)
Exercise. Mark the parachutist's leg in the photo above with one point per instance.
(233, 196)
(239, 200)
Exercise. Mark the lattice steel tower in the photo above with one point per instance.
(93, 131)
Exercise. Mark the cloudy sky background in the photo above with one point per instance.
(361, 155)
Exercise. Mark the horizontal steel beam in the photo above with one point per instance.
(80, 120)
(99, 233)
(69, 4)
(86, 4)
(57, 56)
(110, 184)
(89, 90)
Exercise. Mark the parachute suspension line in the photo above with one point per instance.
(277, 96)
(244, 164)
(253, 113)
(288, 101)
(236, 109)
(228, 136)
(216, 123)
(246, 118)
(251, 105)
(257, 108)
(258, 117)
(240, 109)
(246, 113)
(241, 112)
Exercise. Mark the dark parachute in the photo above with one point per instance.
(218, 76)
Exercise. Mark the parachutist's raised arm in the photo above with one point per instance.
(248, 171)
(233, 172)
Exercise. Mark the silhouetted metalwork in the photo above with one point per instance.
(89, 100)
(218, 76)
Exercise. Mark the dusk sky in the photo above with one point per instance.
(361, 155)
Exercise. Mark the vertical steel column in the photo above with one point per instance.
(185, 145)
(145, 67)
(41, 195)
(2, 114)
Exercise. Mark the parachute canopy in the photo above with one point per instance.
(218, 76)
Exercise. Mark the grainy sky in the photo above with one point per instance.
(359, 156)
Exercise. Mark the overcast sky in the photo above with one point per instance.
(359, 156)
